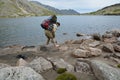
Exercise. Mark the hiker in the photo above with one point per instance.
(50, 26)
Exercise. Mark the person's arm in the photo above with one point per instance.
(54, 27)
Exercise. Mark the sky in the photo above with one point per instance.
(81, 6)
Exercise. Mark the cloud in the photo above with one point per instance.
(79, 5)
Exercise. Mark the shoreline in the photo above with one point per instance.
(83, 56)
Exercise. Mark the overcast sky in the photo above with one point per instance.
(82, 6)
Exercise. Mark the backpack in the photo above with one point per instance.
(45, 24)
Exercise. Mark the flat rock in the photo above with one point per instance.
(19, 73)
(60, 63)
(40, 65)
(104, 71)
(88, 52)
(2, 65)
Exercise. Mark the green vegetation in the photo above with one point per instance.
(61, 70)
(117, 10)
(110, 10)
(21, 8)
(118, 65)
(1, 3)
(66, 76)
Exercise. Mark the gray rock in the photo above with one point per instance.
(77, 41)
(21, 62)
(116, 48)
(94, 44)
(64, 33)
(60, 63)
(79, 34)
(105, 72)
(95, 52)
(82, 67)
(79, 53)
(116, 55)
(118, 39)
(19, 73)
(3, 65)
(107, 35)
(115, 60)
(40, 65)
(116, 32)
(110, 40)
(88, 52)
(97, 36)
(108, 48)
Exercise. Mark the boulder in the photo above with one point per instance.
(19, 73)
(86, 43)
(60, 63)
(116, 55)
(110, 40)
(115, 60)
(95, 51)
(88, 52)
(104, 72)
(107, 35)
(79, 34)
(108, 47)
(116, 32)
(69, 41)
(77, 41)
(80, 53)
(64, 33)
(82, 67)
(21, 62)
(116, 48)
(97, 36)
(40, 65)
(118, 39)
(94, 44)
(2, 65)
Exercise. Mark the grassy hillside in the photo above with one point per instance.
(16, 8)
(109, 10)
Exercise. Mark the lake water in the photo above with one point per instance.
(27, 31)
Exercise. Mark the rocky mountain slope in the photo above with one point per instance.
(58, 11)
(15, 8)
(109, 10)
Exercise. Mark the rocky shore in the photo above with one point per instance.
(93, 57)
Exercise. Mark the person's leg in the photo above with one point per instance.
(48, 40)
(53, 40)
(48, 35)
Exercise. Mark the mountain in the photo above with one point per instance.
(16, 8)
(58, 11)
(109, 10)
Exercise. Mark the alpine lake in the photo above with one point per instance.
(27, 31)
